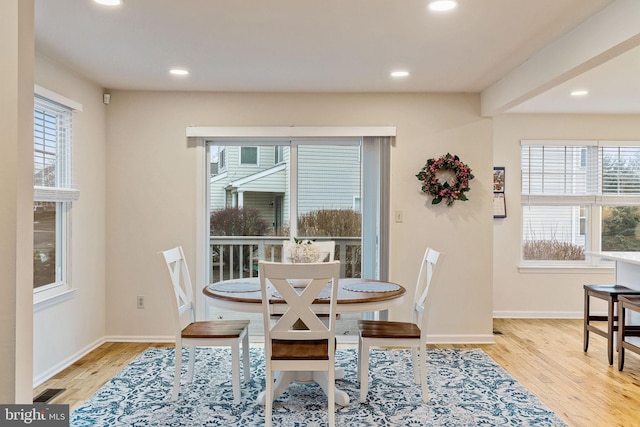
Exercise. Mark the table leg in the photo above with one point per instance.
(284, 378)
(320, 377)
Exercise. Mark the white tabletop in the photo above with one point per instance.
(354, 296)
(630, 257)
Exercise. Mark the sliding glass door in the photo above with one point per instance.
(263, 191)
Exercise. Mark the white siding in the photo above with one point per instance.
(328, 177)
(274, 182)
(217, 192)
(263, 203)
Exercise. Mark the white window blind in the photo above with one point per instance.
(53, 176)
(620, 175)
(555, 174)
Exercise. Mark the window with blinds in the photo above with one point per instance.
(578, 196)
(52, 172)
(53, 192)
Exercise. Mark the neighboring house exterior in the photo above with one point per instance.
(259, 177)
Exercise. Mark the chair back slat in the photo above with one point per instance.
(424, 287)
(299, 305)
(181, 287)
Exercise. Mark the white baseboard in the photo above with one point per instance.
(49, 373)
(140, 338)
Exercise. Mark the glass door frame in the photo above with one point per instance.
(376, 143)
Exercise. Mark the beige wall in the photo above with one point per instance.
(152, 193)
(16, 208)
(557, 293)
(68, 329)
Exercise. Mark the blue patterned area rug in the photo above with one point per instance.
(466, 388)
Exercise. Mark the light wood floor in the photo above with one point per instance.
(543, 355)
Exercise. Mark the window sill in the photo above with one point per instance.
(40, 304)
(565, 269)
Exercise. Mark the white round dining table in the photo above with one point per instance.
(354, 296)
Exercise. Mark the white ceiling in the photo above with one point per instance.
(352, 45)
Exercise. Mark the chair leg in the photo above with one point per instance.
(245, 359)
(423, 373)
(621, 332)
(178, 369)
(586, 320)
(358, 359)
(331, 403)
(268, 396)
(235, 371)
(416, 364)
(610, 328)
(192, 360)
(363, 363)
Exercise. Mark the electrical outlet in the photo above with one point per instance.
(140, 301)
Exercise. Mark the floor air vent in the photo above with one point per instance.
(47, 395)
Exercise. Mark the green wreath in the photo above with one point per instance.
(440, 191)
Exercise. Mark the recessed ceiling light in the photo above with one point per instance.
(399, 73)
(580, 92)
(109, 2)
(443, 5)
(179, 72)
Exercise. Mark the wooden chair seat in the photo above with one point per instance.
(386, 329)
(627, 302)
(611, 294)
(296, 350)
(215, 329)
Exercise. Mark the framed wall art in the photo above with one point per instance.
(499, 201)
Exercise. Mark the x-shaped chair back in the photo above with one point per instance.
(182, 287)
(423, 285)
(320, 282)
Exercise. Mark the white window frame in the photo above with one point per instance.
(222, 160)
(356, 203)
(63, 194)
(278, 154)
(250, 165)
(593, 200)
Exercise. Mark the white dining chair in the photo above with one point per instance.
(299, 340)
(212, 333)
(406, 334)
(327, 249)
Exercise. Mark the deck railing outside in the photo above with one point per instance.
(234, 257)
